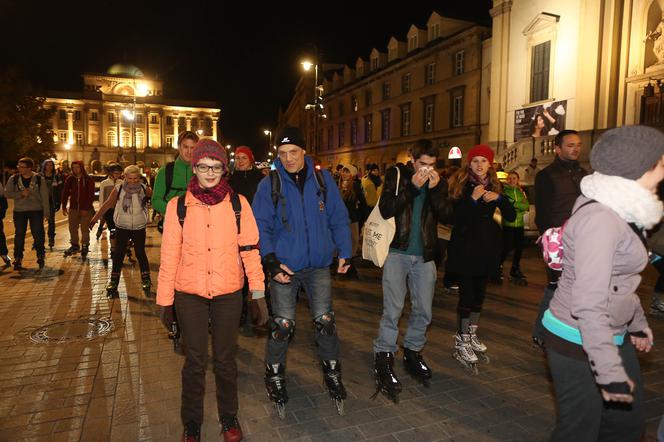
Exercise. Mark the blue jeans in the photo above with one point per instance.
(36, 220)
(421, 278)
(318, 287)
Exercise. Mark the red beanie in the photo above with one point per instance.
(247, 151)
(480, 150)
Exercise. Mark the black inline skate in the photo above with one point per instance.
(386, 381)
(275, 384)
(415, 366)
(332, 378)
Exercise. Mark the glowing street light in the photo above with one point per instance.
(228, 146)
(199, 132)
(67, 148)
(268, 134)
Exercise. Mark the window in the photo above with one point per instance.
(153, 119)
(77, 115)
(139, 118)
(429, 104)
(539, 72)
(342, 133)
(385, 124)
(353, 131)
(330, 137)
(434, 31)
(94, 116)
(386, 90)
(169, 121)
(79, 138)
(110, 139)
(62, 137)
(393, 54)
(457, 108)
(374, 64)
(368, 125)
(405, 83)
(412, 42)
(430, 73)
(126, 139)
(111, 117)
(63, 115)
(341, 109)
(368, 98)
(139, 140)
(353, 103)
(169, 140)
(458, 62)
(405, 120)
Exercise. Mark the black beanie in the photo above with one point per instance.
(290, 135)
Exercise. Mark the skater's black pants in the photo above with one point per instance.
(512, 240)
(36, 220)
(223, 314)
(108, 217)
(472, 290)
(582, 413)
(122, 237)
(51, 222)
(3, 239)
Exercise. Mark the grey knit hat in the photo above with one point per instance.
(627, 151)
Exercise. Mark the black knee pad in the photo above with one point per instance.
(282, 329)
(325, 323)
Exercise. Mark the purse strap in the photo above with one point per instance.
(396, 193)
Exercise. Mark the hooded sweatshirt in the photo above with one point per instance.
(81, 190)
(54, 183)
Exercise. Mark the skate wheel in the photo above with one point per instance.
(484, 357)
(281, 410)
(340, 406)
(473, 369)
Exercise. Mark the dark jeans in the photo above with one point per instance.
(36, 220)
(472, 290)
(51, 223)
(317, 284)
(3, 239)
(512, 240)
(122, 237)
(193, 313)
(582, 413)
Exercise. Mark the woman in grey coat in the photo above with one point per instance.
(595, 320)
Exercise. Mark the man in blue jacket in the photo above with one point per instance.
(302, 222)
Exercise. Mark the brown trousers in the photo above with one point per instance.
(79, 218)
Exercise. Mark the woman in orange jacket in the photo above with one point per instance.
(204, 254)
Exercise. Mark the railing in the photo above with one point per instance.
(521, 152)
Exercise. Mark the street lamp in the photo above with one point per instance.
(268, 134)
(317, 105)
(67, 147)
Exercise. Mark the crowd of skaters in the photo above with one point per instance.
(230, 235)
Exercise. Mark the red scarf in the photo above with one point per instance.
(213, 195)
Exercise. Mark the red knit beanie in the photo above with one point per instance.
(480, 150)
(247, 151)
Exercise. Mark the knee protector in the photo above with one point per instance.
(282, 329)
(112, 233)
(325, 323)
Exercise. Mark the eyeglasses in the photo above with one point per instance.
(204, 168)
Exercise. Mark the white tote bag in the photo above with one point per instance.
(378, 233)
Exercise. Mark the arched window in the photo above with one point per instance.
(111, 140)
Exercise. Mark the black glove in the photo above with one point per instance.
(272, 264)
(616, 388)
(167, 316)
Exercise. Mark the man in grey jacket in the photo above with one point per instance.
(31, 205)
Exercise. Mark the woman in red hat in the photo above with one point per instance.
(475, 245)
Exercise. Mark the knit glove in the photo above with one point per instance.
(272, 264)
(258, 311)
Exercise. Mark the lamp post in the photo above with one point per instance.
(317, 105)
(268, 134)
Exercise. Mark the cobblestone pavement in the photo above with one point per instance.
(125, 386)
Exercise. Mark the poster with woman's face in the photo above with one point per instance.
(541, 120)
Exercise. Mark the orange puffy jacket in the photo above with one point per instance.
(203, 257)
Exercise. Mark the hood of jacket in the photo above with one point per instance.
(43, 165)
(80, 163)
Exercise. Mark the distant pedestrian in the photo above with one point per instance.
(55, 182)
(78, 194)
(3, 239)
(513, 231)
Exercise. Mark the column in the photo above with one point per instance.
(214, 128)
(176, 130)
(188, 119)
(501, 14)
(70, 126)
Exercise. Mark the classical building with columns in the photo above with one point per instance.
(587, 65)
(431, 83)
(122, 113)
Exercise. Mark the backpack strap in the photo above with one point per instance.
(277, 196)
(170, 168)
(182, 210)
(237, 208)
(321, 184)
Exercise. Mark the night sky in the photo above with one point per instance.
(244, 57)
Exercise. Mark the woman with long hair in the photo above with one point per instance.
(208, 245)
(475, 245)
(595, 320)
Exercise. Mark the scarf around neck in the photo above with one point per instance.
(129, 191)
(627, 198)
(211, 196)
(476, 180)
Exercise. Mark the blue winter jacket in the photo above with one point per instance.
(316, 226)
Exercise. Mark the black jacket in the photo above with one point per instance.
(436, 209)
(356, 204)
(245, 182)
(557, 187)
(477, 241)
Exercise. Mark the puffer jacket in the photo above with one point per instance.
(596, 293)
(520, 203)
(437, 208)
(203, 257)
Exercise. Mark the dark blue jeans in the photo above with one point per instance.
(318, 286)
(3, 239)
(51, 223)
(36, 220)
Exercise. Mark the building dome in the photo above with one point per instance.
(126, 70)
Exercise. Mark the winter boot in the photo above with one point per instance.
(230, 428)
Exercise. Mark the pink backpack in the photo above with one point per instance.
(551, 242)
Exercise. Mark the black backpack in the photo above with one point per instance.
(170, 167)
(39, 181)
(275, 185)
(235, 202)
